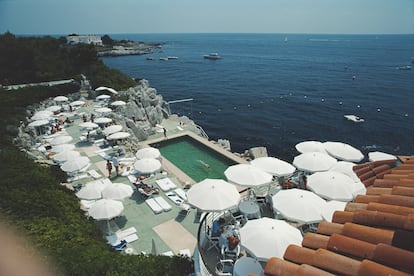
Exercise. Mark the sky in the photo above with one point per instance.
(42, 17)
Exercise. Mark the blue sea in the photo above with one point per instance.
(266, 91)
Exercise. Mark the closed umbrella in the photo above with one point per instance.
(298, 205)
(378, 156)
(92, 190)
(247, 175)
(38, 123)
(310, 146)
(213, 195)
(77, 103)
(62, 147)
(62, 139)
(273, 166)
(147, 165)
(103, 110)
(42, 115)
(119, 135)
(313, 162)
(265, 238)
(66, 155)
(117, 191)
(148, 152)
(331, 185)
(118, 103)
(111, 129)
(343, 151)
(103, 97)
(102, 120)
(102, 88)
(75, 165)
(54, 108)
(88, 125)
(60, 99)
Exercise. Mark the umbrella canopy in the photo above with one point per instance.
(343, 151)
(147, 165)
(62, 147)
(89, 125)
(346, 168)
(77, 103)
(118, 135)
(66, 155)
(212, 195)
(330, 208)
(273, 166)
(331, 185)
(378, 156)
(102, 120)
(111, 129)
(38, 123)
(103, 110)
(75, 165)
(105, 209)
(117, 191)
(62, 139)
(247, 175)
(313, 161)
(299, 205)
(54, 108)
(310, 146)
(60, 99)
(103, 97)
(148, 152)
(92, 190)
(102, 88)
(118, 103)
(42, 115)
(265, 238)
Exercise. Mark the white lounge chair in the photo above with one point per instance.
(155, 207)
(163, 203)
(94, 174)
(166, 184)
(181, 193)
(174, 198)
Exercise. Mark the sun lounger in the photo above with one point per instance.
(155, 207)
(121, 246)
(180, 192)
(104, 155)
(128, 234)
(166, 184)
(163, 203)
(132, 178)
(106, 181)
(168, 253)
(174, 198)
(76, 177)
(94, 174)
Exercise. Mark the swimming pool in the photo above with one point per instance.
(195, 159)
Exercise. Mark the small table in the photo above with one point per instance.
(250, 209)
(247, 265)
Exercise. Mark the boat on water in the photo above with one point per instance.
(163, 58)
(212, 56)
(150, 58)
(405, 67)
(172, 57)
(354, 118)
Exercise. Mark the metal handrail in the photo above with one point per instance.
(202, 132)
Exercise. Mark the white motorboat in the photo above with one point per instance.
(212, 56)
(354, 118)
(405, 67)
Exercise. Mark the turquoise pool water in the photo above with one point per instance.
(193, 158)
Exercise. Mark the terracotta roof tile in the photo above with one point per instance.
(370, 268)
(368, 234)
(406, 201)
(335, 263)
(385, 183)
(329, 228)
(276, 267)
(394, 209)
(404, 191)
(315, 241)
(308, 270)
(299, 255)
(351, 247)
(367, 198)
(378, 191)
(394, 257)
(355, 206)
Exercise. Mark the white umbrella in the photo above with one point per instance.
(212, 195)
(105, 209)
(111, 129)
(103, 97)
(118, 103)
(310, 146)
(77, 103)
(148, 152)
(102, 88)
(313, 162)
(265, 238)
(118, 135)
(53, 108)
(62, 139)
(38, 123)
(92, 190)
(42, 115)
(331, 185)
(117, 191)
(330, 208)
(102, 120)
(103, 110)
(147, 165)
(343, 151)
(66, 155)
(298, 205)
(75, 165)
(89, 125)
(378, 156)
(247, 175)
(345, 167)
(273, 166)
(62, 147)
(60, 99)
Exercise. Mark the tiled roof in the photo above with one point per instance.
(374, 235)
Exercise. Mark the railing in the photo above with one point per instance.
(202, 132)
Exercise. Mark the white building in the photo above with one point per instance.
(86, 39)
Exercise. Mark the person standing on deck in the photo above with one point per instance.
(109, 167)
(165, 132)
(116, 164)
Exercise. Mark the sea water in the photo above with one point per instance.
(266, 91)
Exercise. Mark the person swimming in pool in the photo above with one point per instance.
(204, 164)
